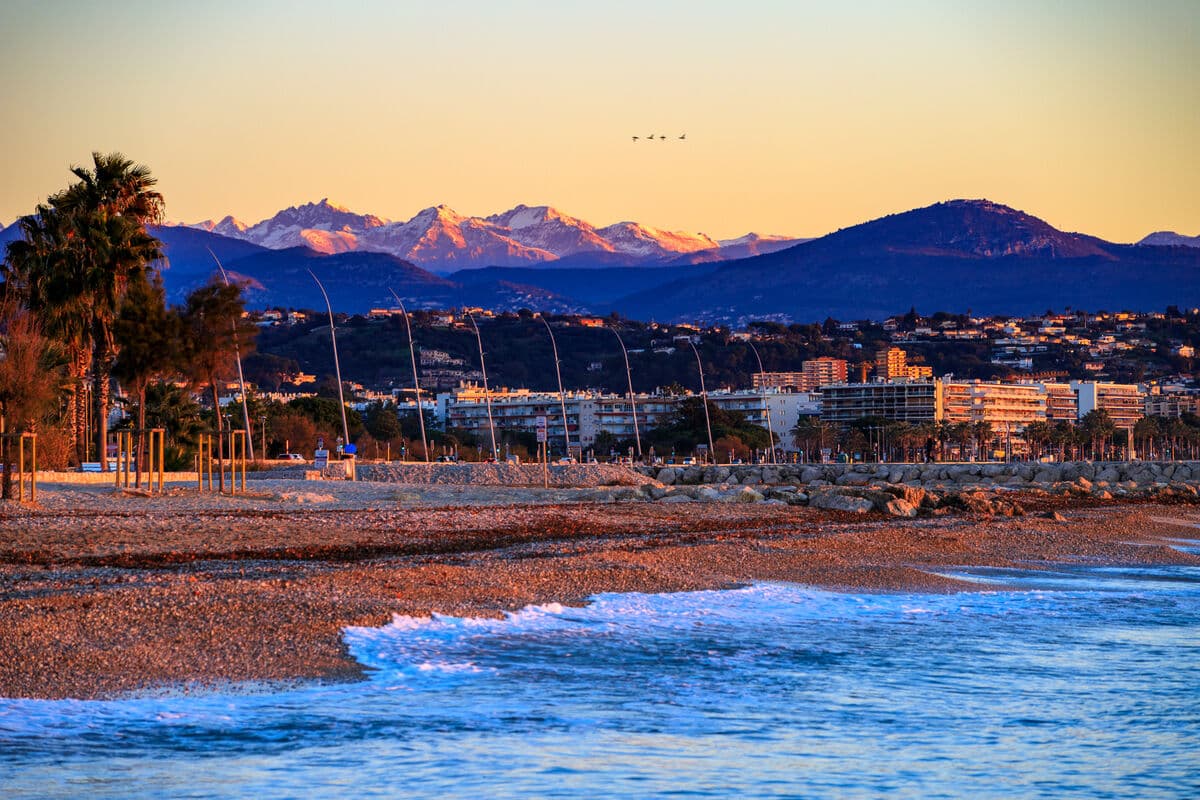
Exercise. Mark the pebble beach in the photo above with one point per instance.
(105, 591)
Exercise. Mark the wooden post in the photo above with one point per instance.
(21, 469)
(162, 450)
(33, 469)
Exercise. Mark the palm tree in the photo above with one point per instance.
(1145, 431)
(81, 250)
(1038, 435)
(1098, 427)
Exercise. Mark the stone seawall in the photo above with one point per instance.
(909, 490)
(1127, 475)
(560, 475)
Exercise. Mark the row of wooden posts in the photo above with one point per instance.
(129, 470)
(26, 462)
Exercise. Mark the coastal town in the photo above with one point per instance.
(1042, 371)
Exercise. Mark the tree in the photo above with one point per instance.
(44, 269)
(213, 332)
(686, 428)
(147, 339)
(1097, 426)
(1038, 435)
(30, 380)
(82, 250)
(813, 434)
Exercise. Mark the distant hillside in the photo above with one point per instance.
(1171, 239)
(953, 256)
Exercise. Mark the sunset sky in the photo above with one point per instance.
(801, 117)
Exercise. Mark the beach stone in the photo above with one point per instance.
(810, 474)
(797, 499)
(691, 475)
(667, 475)
(770, 475)
(853, 479)
(745, 495)
(899, 507)
(839, 502)
(678, 497)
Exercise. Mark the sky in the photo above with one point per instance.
(801, 117)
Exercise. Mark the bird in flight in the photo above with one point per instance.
(661, 137)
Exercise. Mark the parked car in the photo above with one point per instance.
(293, 457)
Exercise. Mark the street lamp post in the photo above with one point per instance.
(704, 400)
(632, 405)
(337, 368)
(766, 405)
(562, 398)
(412, 354)
(238, 355)
(487, 395)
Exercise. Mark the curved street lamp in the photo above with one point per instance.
(412, 354)
(766, 405)
(337, 368)
(704, 399)
(562, 398)
(632, 405)
(241, 378)
(487, 395)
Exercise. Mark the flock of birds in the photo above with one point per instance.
(652, 137)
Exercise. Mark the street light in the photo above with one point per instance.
(632, 405)
(766, 406)
(412, 354)
(704, 400)
(238, 355)
(487, 395)
(337, 368)
(562, 398)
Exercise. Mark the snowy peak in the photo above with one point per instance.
(438, 237)
(227, 226)
(1171, 239)
(633, 239)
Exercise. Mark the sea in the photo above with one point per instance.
(1063, 681)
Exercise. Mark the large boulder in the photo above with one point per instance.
(899, 507)
(667, 475)
(834, 501)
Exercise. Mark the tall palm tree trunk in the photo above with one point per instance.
(102, 391)
(79, 406)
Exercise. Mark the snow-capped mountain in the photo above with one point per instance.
(440, 238)
(228, 226)
(1171, 238)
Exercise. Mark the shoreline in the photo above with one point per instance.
(104, 593)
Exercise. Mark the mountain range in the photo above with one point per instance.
(956, 256)
(438, 238)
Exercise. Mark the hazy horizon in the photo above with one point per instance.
(801, 118)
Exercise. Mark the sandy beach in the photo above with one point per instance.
(104, 592)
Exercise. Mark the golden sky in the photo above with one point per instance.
(801, 117)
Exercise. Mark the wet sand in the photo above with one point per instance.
(104, 592)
